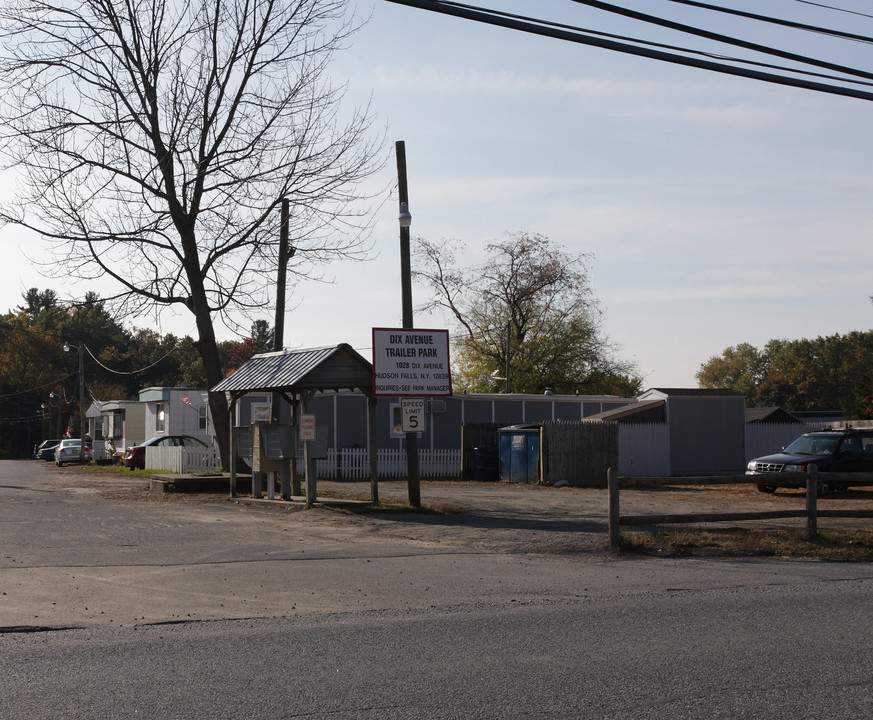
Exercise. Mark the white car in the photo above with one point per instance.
(68, 451)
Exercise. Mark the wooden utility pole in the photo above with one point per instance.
(289, 481)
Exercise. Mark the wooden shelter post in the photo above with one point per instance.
(296, 488)
(233, 446)
(373, 452)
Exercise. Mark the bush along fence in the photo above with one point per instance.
(811, 512)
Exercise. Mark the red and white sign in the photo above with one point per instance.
(307, 428)
(411, 362)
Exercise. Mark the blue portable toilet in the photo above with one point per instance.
(520, 453)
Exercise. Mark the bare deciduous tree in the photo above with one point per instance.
(156, 138)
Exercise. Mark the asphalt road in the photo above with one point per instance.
(118, 605)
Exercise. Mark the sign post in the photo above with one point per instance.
(411, 363)
(307, 435)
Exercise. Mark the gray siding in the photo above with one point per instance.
(707, 435)
(343, 416)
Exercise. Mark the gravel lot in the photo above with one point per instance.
(490, 516)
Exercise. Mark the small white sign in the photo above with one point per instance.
(412, 417)
(307, 428)
(262, 412)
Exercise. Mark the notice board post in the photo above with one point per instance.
(411, 363)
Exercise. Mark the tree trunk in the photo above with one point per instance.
(208, 348)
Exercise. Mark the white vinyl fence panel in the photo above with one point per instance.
(182, 460)
(770, 438)
(644, 449)
(354, 464)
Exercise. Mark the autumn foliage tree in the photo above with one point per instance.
(529, 300)
(39, 381)
(826, 373)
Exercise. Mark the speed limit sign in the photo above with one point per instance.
(412, 415)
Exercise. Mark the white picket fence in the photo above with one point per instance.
(354, 464)
(345, 464)
(182, 460)
(643, 449)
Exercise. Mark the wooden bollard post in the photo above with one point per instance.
(812, 502)
(614, 514)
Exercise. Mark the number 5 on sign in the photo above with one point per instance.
(412, 415)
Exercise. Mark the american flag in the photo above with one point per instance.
(187, 402)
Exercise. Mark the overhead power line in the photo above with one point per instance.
(834, 8)
(39, 387)
(131, 372)
(718, 37)
(546, 29)
(779, 21)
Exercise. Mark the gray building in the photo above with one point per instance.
(341, 409)
(344, 416)
(706, 428)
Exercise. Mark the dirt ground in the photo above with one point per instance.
(491, 516)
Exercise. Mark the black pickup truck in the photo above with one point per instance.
(843, 451)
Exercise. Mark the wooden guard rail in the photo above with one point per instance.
(811, 512)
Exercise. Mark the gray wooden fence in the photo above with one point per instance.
(810, 512)
(578, 453)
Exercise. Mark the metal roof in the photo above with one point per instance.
(627, 410)
(325, 368)
(689, 392)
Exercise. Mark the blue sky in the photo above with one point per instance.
(717, 210)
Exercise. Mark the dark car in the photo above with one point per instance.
(843, 451)
(46, 450)
(134, 457)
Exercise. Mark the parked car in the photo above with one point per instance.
(46, 450)
(134, 456)
(844, 451)
(68, 450)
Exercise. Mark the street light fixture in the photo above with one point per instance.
(405, 216)
(81, 348)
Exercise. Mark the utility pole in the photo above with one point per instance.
(81, 348)
(281, 278)
(508, 349)
(288, 469)
(412, 470)
(82, 429)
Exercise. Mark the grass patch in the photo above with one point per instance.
(843, 545)
(119, 470)
(389, 507)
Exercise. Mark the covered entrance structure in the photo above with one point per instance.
(296, 376)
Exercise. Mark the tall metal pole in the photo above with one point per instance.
(412, 470)
(82, 432)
